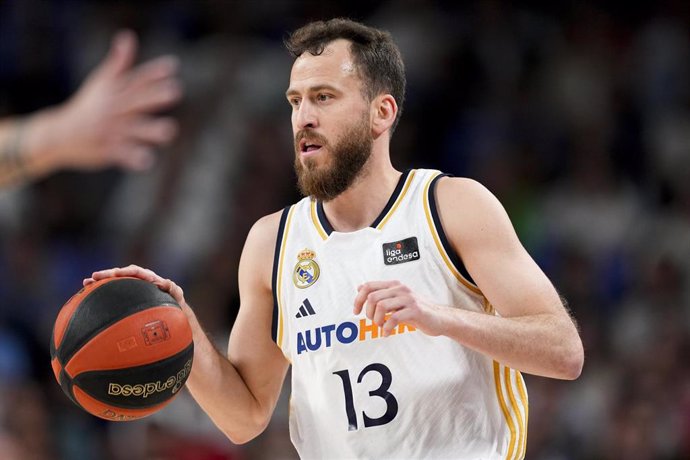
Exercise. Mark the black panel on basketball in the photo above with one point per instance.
(107, 305)
(66, 384)
(138, 387)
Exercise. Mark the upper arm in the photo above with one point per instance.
(480, 232)
(251, 348)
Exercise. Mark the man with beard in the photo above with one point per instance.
(404, 302)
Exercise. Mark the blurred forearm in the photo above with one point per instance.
(28, 146)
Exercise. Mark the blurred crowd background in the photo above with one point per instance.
(575, 114)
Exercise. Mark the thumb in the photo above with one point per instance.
(120, 57)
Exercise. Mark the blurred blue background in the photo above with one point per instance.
(575, 114)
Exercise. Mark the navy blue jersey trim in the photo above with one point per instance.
(328, 228)
(274, 278)
(320, 213)
(454, 257)
(392, 199)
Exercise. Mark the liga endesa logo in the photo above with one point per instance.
(143, 390)
(399, 252)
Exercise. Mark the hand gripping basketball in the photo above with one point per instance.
(122, 347)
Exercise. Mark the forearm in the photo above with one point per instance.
(221, 392)
(29, 146)
(543, 344)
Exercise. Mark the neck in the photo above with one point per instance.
(359, 205)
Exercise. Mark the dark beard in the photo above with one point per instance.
(346, 160)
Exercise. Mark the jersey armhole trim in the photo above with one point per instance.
(449, 256)
(276, 281)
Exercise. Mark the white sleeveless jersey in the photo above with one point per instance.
(356, 394)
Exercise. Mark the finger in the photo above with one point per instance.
(120, 57)
(360, 298)
(391, 323)
(176, 291)
(156, 131)
(398, 317)
(133, 157)
(153, 72)
(376, 285)
(87, 281)
(365, 289)
(375, 298)
(152, 98)
(131, 270)
(384, 308)
(172, 288)
(102, 274)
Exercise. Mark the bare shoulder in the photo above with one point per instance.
(259, 248)
(465, 190)
(265, 229)
(467, 206)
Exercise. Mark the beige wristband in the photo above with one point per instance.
(12, 162)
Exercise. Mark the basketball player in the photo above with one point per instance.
(403, 301)
(110, 121)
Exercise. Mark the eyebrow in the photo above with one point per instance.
(312, 89)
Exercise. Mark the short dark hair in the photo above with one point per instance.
(376, 56)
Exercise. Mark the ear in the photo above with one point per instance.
(384, 109)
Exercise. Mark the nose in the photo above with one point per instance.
(305, 116)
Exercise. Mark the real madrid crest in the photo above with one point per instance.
(306, 270)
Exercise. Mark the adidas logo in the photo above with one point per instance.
(305, 309)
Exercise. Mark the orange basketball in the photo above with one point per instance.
(121, 348)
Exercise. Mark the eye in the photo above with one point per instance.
(323, 97)
(294, 101)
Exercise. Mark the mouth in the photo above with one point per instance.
(307, 147)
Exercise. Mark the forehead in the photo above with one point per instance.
(333, 66)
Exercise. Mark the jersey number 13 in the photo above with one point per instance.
(381, 392)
